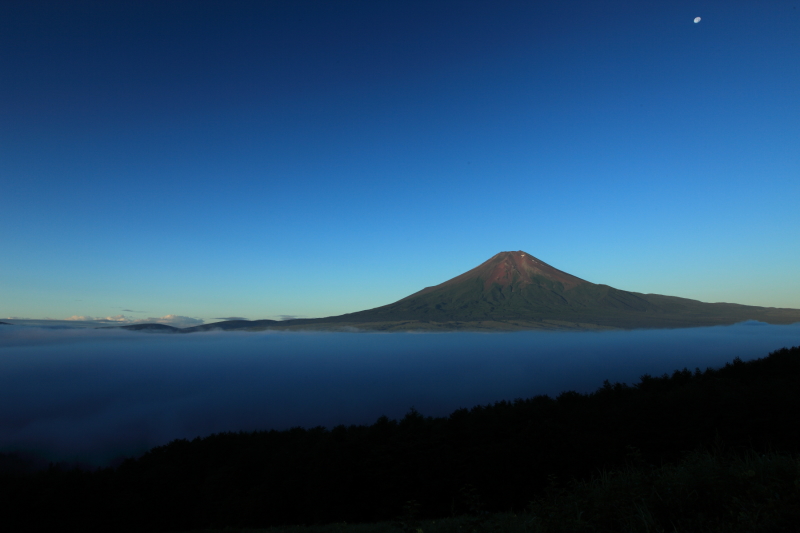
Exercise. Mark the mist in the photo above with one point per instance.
(96, 396)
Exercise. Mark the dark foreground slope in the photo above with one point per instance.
(503, 455)
(514, 290)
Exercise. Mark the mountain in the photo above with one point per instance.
(515, 290)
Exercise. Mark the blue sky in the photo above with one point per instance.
(259, 159)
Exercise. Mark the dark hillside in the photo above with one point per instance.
(233, 324)
(162, 328)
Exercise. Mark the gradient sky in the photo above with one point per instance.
(259, 159)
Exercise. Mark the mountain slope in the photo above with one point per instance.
(515, 286)
(514, 290)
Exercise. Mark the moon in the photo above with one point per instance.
(697, 19)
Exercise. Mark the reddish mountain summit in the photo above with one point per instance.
(505, 268)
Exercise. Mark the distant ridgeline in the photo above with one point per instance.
(516, 291)
(503, 455)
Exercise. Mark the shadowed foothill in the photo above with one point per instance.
(160, 328)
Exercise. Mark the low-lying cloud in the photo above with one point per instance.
(83, 321)
(97, 394)
(109, 319)
(172, 320)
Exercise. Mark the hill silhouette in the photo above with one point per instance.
(161, 328)
(515, 290)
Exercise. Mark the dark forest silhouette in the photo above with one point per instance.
(504, 455)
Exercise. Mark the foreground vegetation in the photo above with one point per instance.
(719, 491)
(476, 470)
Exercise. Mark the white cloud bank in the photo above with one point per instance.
(172, 320)
(177, 321)
(117, 318)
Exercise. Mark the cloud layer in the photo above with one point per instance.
(84, 321)
(97, 394)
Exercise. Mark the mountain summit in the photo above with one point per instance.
(515, 290)
(511, 269)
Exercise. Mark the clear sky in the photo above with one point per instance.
(260, 159)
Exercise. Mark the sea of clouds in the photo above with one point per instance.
(95, 396)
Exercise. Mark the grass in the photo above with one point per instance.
(706, 492)
(494, 523)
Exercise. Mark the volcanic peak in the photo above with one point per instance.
(505, 268)
(521, 267)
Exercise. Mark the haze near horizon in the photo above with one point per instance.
(193, 162)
